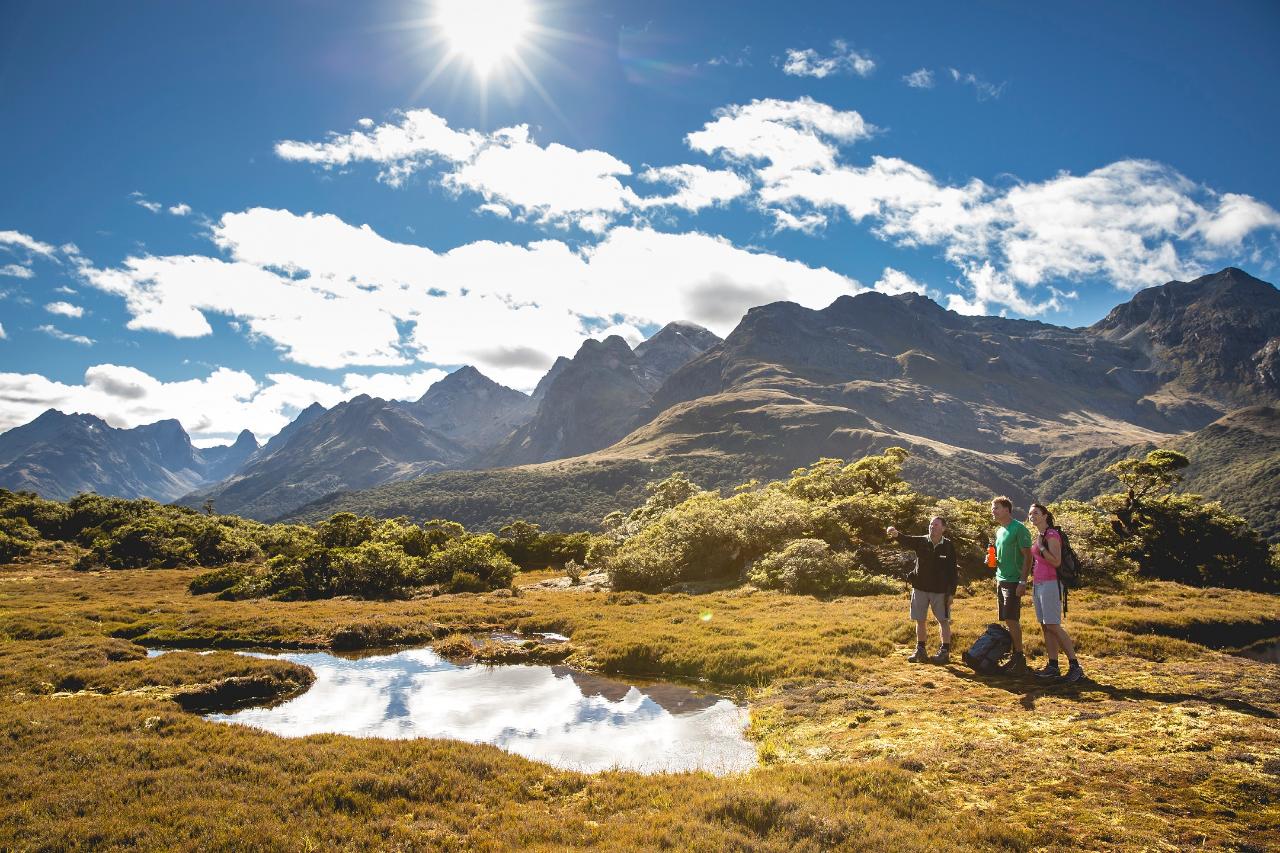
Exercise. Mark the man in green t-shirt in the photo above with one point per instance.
(1013, 568)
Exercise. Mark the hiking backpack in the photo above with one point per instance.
(1068, 569)
(985, 653)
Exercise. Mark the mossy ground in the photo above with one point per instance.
(1166, 745)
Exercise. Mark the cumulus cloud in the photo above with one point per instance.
(785, 135)
(1133, 223)
(17, 271)
(553, 184)
(921, 78)
(894, 282)
(16, 239)
(330, 294)
(58, 334)
(696, 186)
(66, 309)
(212, 408)
(514, 176)
(417, 139)
(3, 336)
(180, 209)
(842, 60)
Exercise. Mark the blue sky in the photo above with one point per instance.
(186, 185)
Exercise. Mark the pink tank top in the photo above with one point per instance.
(1043, 570)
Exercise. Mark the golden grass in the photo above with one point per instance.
(1167, 745)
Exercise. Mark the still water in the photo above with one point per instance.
(564, 717)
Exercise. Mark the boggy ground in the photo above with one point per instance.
(1167, 745)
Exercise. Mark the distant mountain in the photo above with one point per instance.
(1235, 459)
(592, 400)
(59, 455)
(980, 401)
(224, 460)
(363, 442)
(471, 409)
(1216, 337)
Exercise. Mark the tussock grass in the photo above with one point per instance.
(1168, 743)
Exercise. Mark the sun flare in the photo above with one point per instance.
(484, 32)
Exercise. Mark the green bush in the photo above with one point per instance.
(147, 543)
(479, 556)
(811, 567)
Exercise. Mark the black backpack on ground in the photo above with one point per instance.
(985, 653)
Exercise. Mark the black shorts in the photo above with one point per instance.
(1008, 602)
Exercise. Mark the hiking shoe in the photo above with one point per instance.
(942, 657)
(1075, 672)
(919, 656)
(1015, 665)
(1050, 671)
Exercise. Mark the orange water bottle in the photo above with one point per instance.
(991, 556)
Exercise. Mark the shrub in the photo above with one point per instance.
(471, 556)
(137, 544)
(17, 538)
(811, 567)
(344, 530)
(373, 569)
(708, 536)
(218, 579)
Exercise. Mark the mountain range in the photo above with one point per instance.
(60, 455)
(986, 404)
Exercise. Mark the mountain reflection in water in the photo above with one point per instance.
(571, 719)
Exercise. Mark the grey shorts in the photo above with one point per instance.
(922, 602)
(1048, 600)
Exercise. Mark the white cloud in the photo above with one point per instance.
(17, 271)
(329, 294)
(697, 186)
(500, 210)
(392, 386)
(984, 89)
(788, 135)
(142, 201)
(28, 243)
(401, 148)
(842, 60)
(552, 184)
(921, 78)
(515, 176)
(58, 334)
(180, 209)
(3, 336)
(894, 282)
(66, 309)
(1134, 223)
(213, 408)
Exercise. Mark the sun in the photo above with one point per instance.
(483, 32)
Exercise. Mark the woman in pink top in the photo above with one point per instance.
(1046, 553)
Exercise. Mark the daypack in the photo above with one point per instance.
(985, 653)
(1068, 570)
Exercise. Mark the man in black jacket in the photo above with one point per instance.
(933, 585)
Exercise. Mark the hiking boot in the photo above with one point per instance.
(919, 656)
(1075, 672)
(1050, 671)
(1015, 665)
(943, 656)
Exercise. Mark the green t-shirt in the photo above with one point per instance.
(1010, 540)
